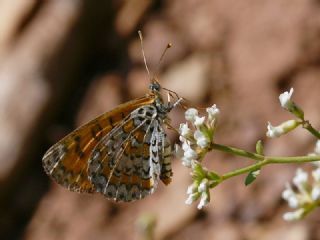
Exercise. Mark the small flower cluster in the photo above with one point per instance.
(287, 126)
(203, 180)
(306, 196)
(196, 141)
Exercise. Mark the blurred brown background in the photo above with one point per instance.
(62, 62)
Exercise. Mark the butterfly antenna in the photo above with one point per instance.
(169, 45)
(144, 56)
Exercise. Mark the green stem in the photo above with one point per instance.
(307, 125)
(240, 171)
(309, 208)
(269, 160)
(298, 159)
(262, 160)
(236, 151)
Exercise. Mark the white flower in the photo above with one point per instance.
(190, 154)
(290, 196)
(213, 112)
(288, 192)
(192, 188)
(191, 114)
(305, 197)
(285, 100)
(199, 121)
(300, 179)
(204, 200)
(186, 162)
(315, 193)
(204, 185)
(317, 148)
(273, 132)
(192, 197)
(185, 131)
(182, 139)
(281, 129)
(316, 174)
(296, 215)
(201, 139)
(185, 146)
(293, 201)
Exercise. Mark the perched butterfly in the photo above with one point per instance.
(121, 154)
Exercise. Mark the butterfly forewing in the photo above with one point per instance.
(126, 164)
(67, 161)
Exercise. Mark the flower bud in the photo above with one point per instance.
(191, 114)
(283, 128)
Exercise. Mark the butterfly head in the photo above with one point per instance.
(155, 86)
(163, 107)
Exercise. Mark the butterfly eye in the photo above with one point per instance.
(154, 86)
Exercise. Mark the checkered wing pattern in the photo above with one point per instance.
(127, 163)
(67, 161)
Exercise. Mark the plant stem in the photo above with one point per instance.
(298, 159)
(306, 124)
(262, 160)
(240, 171)
(236, 151)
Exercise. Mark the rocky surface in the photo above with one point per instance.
(63, 64)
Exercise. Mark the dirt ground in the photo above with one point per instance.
(64, 62)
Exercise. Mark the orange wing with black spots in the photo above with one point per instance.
(67, 161)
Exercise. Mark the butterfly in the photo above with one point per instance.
(121, 154)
